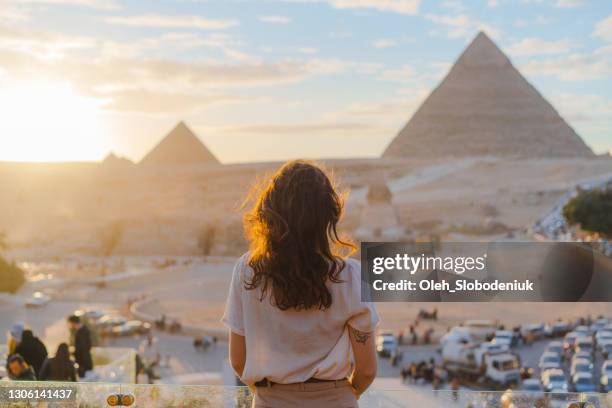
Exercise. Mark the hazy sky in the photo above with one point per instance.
(269, 80)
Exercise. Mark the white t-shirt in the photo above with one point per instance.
(289, 346)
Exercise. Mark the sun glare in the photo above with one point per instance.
(45, 121)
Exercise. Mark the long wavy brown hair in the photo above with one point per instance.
(295, 249)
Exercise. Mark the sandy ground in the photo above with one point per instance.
(197, 295)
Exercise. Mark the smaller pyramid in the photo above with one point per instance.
(180, 146)
(112, 160)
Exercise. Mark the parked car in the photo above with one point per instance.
(106, 323)
(583, 331)
(583, 382)
(457, 334)
(93, 315)
(131, 327)
(557, 329)
(531, 385)
(535, 330)
(599, 324)
(583, 355)
(603, 335)
(584, 344)
(504, 338)
(549, 360)
(554, 379)
(555, 347)
(386, 345)
(492, 347)
(581, 366)
(38, 299)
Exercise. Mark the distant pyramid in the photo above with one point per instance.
(484, 106)
(113, 160)
(180, 146)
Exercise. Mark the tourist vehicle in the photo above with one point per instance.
(533, 330)
(554, 380)
(555, 347)
(504, 338)
(557, 329)
(584, 344)
(386, 345)
(38, 299)
(603, 334)
(470, 362)
(583, 382)
(457, 334)
(531, 385)
(549, 360)
(581, 366)
(131, 327)
(481, 330)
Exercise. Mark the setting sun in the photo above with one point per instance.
(49, 122)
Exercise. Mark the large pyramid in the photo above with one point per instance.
(484, 106)
(180, 146)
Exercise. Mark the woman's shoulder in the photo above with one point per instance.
(241, 267)
(351, 271)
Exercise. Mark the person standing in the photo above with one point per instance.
(300, 336)
(60, 367)
(82, 345)
(13, 337)
(32, 350)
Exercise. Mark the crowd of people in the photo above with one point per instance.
(29, 360)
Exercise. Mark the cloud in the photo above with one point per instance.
(461, 25)
(384, 43)
(275, 19)
(537, 46)
(603, 28)
(163, 21)
(152, 102)
(402, 74)
(409, 7)
(569, 3)
(302, 129)
(574, 67)
(41, 44)
(95, 4)
(307, 50)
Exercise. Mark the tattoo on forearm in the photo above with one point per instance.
(360, 337)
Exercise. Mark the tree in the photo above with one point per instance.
(592, 210)
(11, 276)
(206, 239)
(110, 237)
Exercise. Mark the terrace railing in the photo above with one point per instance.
(93, 395)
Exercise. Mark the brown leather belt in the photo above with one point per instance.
(266, 383)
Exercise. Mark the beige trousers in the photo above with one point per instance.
(332, 394)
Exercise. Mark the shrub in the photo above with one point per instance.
(11, 276)
(592, 210)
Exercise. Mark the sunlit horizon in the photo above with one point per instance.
(274, 81)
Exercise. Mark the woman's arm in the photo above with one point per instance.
(364, 353)
(237, 352)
